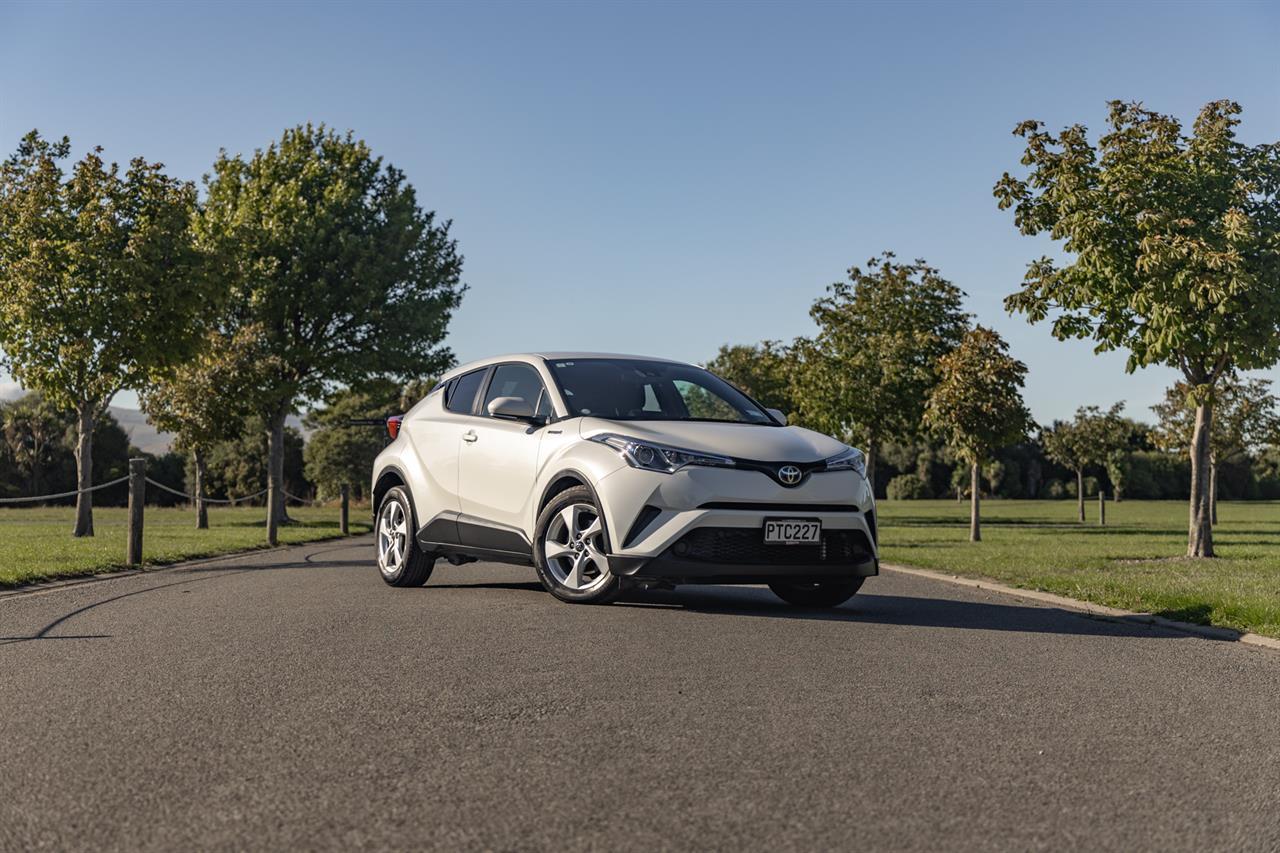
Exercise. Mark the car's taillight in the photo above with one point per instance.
(393, 425)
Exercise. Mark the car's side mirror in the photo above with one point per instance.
(516, 408)
(777, 415)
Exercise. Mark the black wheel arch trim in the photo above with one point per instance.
(582, 478)
(404, 483)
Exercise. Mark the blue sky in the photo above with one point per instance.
(660, 178)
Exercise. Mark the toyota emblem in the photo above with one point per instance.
(789, 475)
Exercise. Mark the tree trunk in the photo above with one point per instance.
(872, 453)
(1080, 494)
(1200, 531)
(276, 514)
(975, 525)
(202, 508)
(37, 448)
(1213, 489)
(84, 471)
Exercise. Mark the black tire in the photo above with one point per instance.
(607, 586)
(821, 594)
(415, 565)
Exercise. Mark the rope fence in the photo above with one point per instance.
(138, 481)
(35, 498)
(174, 491)
(170, 489)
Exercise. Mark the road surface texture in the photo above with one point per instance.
(290, 699)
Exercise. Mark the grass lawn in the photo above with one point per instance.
(1134, 562)
(37, 544)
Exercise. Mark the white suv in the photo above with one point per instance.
(610, 471)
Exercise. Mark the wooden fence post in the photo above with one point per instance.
(137, 497)
(273, 536)
(1102, 507)
(346, 506)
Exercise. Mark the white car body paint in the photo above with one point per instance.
(491, 476)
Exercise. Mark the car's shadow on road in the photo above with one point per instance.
(917, 611)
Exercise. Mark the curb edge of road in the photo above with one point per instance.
(44, 587)
(1100, 611)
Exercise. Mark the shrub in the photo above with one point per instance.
(1054, 490)
(907, 487)
(1155, 476)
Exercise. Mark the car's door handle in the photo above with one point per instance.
(469, 435)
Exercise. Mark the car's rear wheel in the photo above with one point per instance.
(401, 561)
(819, 594)
(570, 547)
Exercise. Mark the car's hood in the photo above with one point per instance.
(742, 441)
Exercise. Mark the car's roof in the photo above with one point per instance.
(566, 356)
(549, 356)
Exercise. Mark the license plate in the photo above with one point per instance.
(792, 531)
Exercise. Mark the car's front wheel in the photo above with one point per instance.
(569, 549)
(401, 561)
(820, 594)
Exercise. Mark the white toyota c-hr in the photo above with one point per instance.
(610, 471)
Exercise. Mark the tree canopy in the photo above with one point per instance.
(337, 452)
(763, 371)
(1244, 417)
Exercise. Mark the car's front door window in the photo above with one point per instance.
(520, 381)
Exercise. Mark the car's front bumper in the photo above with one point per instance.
(705, 525)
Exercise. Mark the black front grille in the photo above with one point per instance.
(768, 507)
(745, 546)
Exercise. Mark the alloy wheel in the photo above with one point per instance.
(574, 548)
(393, 537)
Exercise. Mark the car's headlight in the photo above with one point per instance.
(659, 457)
(850, 460)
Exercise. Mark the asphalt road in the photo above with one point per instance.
(291, 699)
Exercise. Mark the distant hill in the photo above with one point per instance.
(142, 435)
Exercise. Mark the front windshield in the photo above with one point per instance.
(632, 390)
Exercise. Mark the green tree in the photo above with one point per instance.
(99, 282)
(1126, 437)
(206, 399)
(32, 433)
(328, 250)
(1175, 252)
(1244, 418)
(1087, 440)
(976, 406)
(238, 467)
(414, 390)
(867, 373)
(337, 452)
(763, 371)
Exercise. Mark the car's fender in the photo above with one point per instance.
(568, 460)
